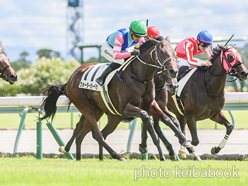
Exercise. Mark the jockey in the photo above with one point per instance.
(190, 47)
(152, 31)
(120, 44)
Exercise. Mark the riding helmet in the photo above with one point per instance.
(138, 27)
(205, 37)
(153, 31)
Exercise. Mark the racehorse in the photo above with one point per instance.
(7, 73)
(203, 95)
(162, 82)
(133, 97)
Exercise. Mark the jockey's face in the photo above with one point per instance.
(135, 37)
(203, 46)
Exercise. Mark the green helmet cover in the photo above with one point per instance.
(138, 27)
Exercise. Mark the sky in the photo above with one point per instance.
(29, 25)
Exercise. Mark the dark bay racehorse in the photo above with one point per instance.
(7, 73)
(162, 82)
(134, 97)
(203, 94)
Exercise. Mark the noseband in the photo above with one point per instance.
(2, 75)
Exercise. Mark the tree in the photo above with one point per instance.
(47, 53)
(22, 62)
(38, 75)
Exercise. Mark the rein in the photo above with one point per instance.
(158, 58)
(231, 72)
(148, 64)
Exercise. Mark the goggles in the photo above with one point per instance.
(205, 45)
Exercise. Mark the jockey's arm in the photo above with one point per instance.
(208, 52)
(119, 40)
(189, 53)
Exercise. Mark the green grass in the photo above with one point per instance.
(68, 120)
(29, 171)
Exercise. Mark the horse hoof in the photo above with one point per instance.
(62, 149)
(143, 150)
(173, 157)
(162, 158)
(182, 154)
(213, 151)
(195, 156)
(122, 159)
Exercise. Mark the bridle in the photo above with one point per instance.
(231, 72)
(158, 58)
(2, 75)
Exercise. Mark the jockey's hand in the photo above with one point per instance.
(135, 53)
(206, 63)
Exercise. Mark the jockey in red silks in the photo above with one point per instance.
(153, 31)
(190, 47)
(120, 44)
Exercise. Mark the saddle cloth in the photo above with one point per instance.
(181, 84)
(184, 80)
(88, 80)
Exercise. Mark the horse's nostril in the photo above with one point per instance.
(172, 71)
(13, 77)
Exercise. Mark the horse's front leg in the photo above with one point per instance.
(221, 119)
(156, 112)
(133, 111)
(113, 122)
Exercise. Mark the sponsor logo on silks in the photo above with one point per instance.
(105, 51)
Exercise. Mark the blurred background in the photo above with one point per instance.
(42, 37)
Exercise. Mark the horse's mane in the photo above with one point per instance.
(216, 52)
(145, 46)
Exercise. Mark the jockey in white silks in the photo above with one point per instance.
(120, 44)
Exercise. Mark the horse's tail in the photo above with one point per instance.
(53, 92)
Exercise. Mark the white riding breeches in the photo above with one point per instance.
(184, 62)
(107, 52)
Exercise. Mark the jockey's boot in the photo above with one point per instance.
(181, 72)
(100, 80)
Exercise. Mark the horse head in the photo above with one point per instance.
(165, 56)
(232, 62)
(6, 71)
(162, 80)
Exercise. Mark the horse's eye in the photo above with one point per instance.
(230, 58)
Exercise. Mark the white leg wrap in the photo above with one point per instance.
(182, 148)
(223, 142)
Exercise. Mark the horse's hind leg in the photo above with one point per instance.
(113, 122)
(79, 126)
(79, 138)
(98, 113)
(221, 119)
(96, 133)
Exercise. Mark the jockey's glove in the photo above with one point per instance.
(135, 53)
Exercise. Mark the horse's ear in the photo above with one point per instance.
(153, 40)
(167, 39)
(222, 47)
(235, 46)
(147, 38)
